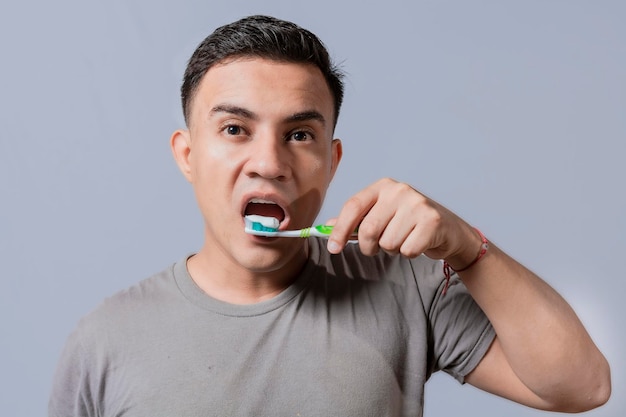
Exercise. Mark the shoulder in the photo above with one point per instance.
(129, 305)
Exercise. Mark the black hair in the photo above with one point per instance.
(263, 37)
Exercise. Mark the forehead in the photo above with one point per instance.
(263, 85)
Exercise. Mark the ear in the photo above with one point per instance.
(180, 142)
(337, 153)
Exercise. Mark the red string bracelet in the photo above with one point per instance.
(447, 269)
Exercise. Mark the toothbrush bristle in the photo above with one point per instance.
(260, 228)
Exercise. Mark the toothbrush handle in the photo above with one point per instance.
(324, 231)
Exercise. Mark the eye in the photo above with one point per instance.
(299, 136)
(232, 130)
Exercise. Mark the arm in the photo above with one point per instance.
(542, 356)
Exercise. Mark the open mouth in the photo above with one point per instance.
(264, 208)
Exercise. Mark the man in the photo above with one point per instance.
(252, 325)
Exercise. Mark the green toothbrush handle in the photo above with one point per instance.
(322, 230)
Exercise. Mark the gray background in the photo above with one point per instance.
(512, 114)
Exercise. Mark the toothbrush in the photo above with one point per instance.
(268, 227)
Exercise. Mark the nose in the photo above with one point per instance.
(269, 158)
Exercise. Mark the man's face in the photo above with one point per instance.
(259, 142)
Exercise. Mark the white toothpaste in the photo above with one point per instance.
(271, 222)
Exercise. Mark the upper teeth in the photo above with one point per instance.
(261, 201)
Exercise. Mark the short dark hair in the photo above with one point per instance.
(263, 37)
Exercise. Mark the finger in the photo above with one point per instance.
(396, 232)
(350, 216)
(374, 226)
(428, 237)
(415, 243)
(392, 219)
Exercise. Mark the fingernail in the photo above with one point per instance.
(333, 247)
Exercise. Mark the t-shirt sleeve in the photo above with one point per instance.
(460, 332)
(71, 391)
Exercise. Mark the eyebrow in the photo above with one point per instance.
(245, 113)
(235, 110)
(307, 115)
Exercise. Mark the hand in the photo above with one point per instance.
(396, 218)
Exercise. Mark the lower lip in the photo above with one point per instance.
(262, 239)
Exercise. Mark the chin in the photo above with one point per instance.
(266, 259)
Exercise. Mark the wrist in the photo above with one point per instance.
(456, 264)
(471, 254)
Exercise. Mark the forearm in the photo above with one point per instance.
(541, 337)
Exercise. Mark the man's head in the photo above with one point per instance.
(261, 37)
(261, 108)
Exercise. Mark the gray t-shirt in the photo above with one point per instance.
(352, 336)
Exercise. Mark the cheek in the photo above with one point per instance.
(214, 161)
(226, 156)
(216, 151)
(320, 168)
(316, 167)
